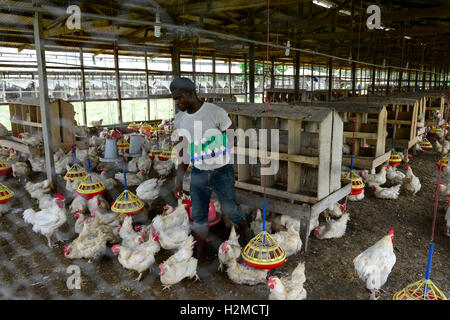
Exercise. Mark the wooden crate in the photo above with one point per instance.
(402, 118)
(368, 139)
(26, 117)
(310, 157)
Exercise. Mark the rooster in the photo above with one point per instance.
(386, 193)
(289, 240)
(333, 228)
(374, 265)
(229, 249)
(288, 288)
(179, 266)
(411, 182)
(47, 221)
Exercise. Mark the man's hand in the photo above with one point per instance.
(178, 190)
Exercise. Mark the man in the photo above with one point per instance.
(203, 125)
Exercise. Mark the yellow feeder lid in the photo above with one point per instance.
(357, 183)
(89, 188)
(395, 159)
(147, 128)
(443, 162)
(127, 203)
(122, 145)
(425, 144)
(263, 252)
(5, 194)
(76, 172)
(421, 290)
(133, 126)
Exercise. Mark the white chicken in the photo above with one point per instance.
(374, 264)
(333, 228)
(163, 168)
(144, 162)
(96, 123)
(172, 229)
(442, 148)
(37, 163)
(95, 141)
(411, 182)
(356, 197)
(289, 240)
(130, 238)
(288, 288)
(334, 211)
(132, 165)
(29, 139)
(37, 190)
(386, 193)
(47, 221)
(79, 221)
(179, 266)
(20, 169)
(133, 179)
(378, 178)
(229, 249)
(79, 203)
(139, 258)
(97, 203)
(110, 183)
(149, 189)
(72, 186)
(90, 244)
(61, 166)
(243, 274)
(444, 189)
(257, 224)
(394, 176)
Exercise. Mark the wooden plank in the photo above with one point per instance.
(281, 156)
(380, 146)
(323, 176)
(266, 123)
(27, 123)
(366, 162)
(359, 135)
(275, 192)
(336, 153)
(15, 145)
(294, 145)
(323, 204)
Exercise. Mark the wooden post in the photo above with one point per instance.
(83, 86)
(416, 81)
(297, 76)
(353, 79)
(245, 78)
(251, 76)
(388, 80)
(409, 80)
(117, 75)
(147, 86)
(374, 70)
(176, 63)
(229, 74)
(272, 73)
(294, 144)
(43, 98)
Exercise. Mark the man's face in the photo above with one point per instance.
(182, 99)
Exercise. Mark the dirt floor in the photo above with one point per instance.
(29, 269)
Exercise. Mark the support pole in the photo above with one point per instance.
(330, 78)
(214, 71)
(229, 75)
(176, 64)
(251, 75)
(43, 98)
(374, 70)
(147, 87)
(409, 80)
(388, 80)
(83, 87)
(117, 75)
(245, 78)
(296, 76)
(272, 73)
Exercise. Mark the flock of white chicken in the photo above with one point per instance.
(135, 247)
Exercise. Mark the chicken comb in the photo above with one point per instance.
(408, 165)
(114, 247)
(59, 196)
(391, 231)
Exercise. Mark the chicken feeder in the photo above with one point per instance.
(111, 154)
(357, 183)
(443, 162)
(127, 203)
(5, 168)
(434, 130)
(147, 128)
(89, 189)
(133, 126)
(395, 159)
(135, 149)
(5, 194)
(122, 145)
(214, 217)
(262, 252)
(76, 172)
(425, 144)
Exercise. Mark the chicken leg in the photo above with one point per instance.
(59, 238)
(139, 278)
(372, 295)
(49, 242)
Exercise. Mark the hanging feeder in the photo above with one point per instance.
(166, 155)
(76, 172)
(443, 161)
(5, 168)
(423, 289)
(395, 159)
(5, 194)
(122, 145)
(262, 251)
(425, 144)
(357, 183)
(434, 131)
(133, 126)
(88, 188)
(147, 128)
(127, 202)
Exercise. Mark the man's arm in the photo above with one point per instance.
(181, 170)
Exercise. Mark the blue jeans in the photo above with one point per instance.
(221, 181)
